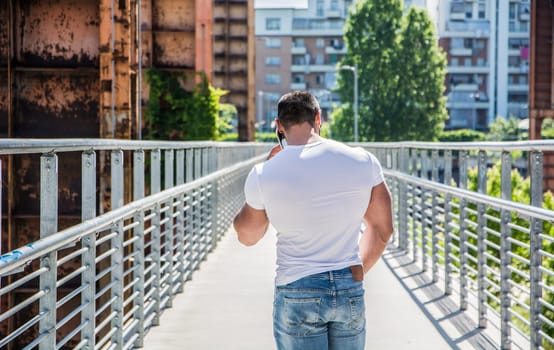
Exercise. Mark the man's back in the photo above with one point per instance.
(315, 196)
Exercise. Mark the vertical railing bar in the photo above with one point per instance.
(180, 242)
(156, 261)
(197, 163)
(169, 172)
(117, 185)
(424, 248)
(536, 167)
(205, 163)
(170, 226)
(413, 172)
(48, 226)
(190, 165)
(434, 219)
(403, 202)
(88, 211)
(155, 160)
(188, 230)
(180, 166)
(481, 238)
(138, 245)
(447, 218)
(505, 247)
(463, 234)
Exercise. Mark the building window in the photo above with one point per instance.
(480, 62)
(319, 8)
(454, 61)
(274, 61)
(467, 62)
(523, 80)
(319, 79)
(273, 23)
(273, 43)
(320, 43)
(319, 59)
(469, 10)
(334, 5)
(298, 78)
(272, 79)
(298, 42)
(512, 11)
(482, 11)
(333, 59)
(298, 60)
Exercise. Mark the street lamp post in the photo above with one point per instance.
(354, 70)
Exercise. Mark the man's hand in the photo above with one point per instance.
(274, 151)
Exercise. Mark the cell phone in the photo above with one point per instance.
(281, 138)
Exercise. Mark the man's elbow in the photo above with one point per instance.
(248, 242)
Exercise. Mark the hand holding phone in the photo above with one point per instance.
(281, 138)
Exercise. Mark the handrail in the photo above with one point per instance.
(27, 146)
(534, 145)
(19, 257)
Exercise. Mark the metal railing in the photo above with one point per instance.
(494, 254)
(102, 283)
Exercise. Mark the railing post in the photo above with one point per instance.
(189, 173)
(48, 226)
(138, 245)
(155, 164)
(180, 229)
(505, 246)
(463, 235)
(424, 216)
(403, 202)
(447, 217)
(155, 249)
(481, 238)
(117, 185)
(170, 226)
(205, 163)
(413, 172)
(88, 211)
(434, 219)
(197, 163)
(536, 167)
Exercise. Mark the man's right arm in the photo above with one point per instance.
(379, 226)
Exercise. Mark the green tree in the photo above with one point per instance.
(506, 130)
(174, 113)
(401, 73)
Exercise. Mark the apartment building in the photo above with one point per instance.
(298, 46)
(487, 45)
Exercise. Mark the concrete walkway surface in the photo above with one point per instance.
(228, 306)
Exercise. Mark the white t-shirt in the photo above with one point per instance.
(315, 196)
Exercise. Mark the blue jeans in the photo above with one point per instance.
(324, 311)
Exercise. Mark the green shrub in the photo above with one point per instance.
(461, 135)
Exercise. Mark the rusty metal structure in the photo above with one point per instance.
(234, 49)
(76, 68)
(541, 78)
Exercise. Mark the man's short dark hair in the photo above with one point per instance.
(297, 107)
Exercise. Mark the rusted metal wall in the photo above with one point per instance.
(234, 59)
(71, 68)
(541, 80)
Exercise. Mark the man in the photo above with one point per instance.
(316, 193)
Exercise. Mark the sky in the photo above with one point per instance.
(280, 3)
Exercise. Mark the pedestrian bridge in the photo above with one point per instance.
(154, 263)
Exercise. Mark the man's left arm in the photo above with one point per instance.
(251, 225)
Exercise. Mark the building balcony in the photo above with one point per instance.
(518, 87)
(467, 105)
(470, 87)
(461, 52)
(330, 50)
(312, 68)
(457, 16)
(298, 86)
(298, 50)
(333, 13)
(468, 69)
